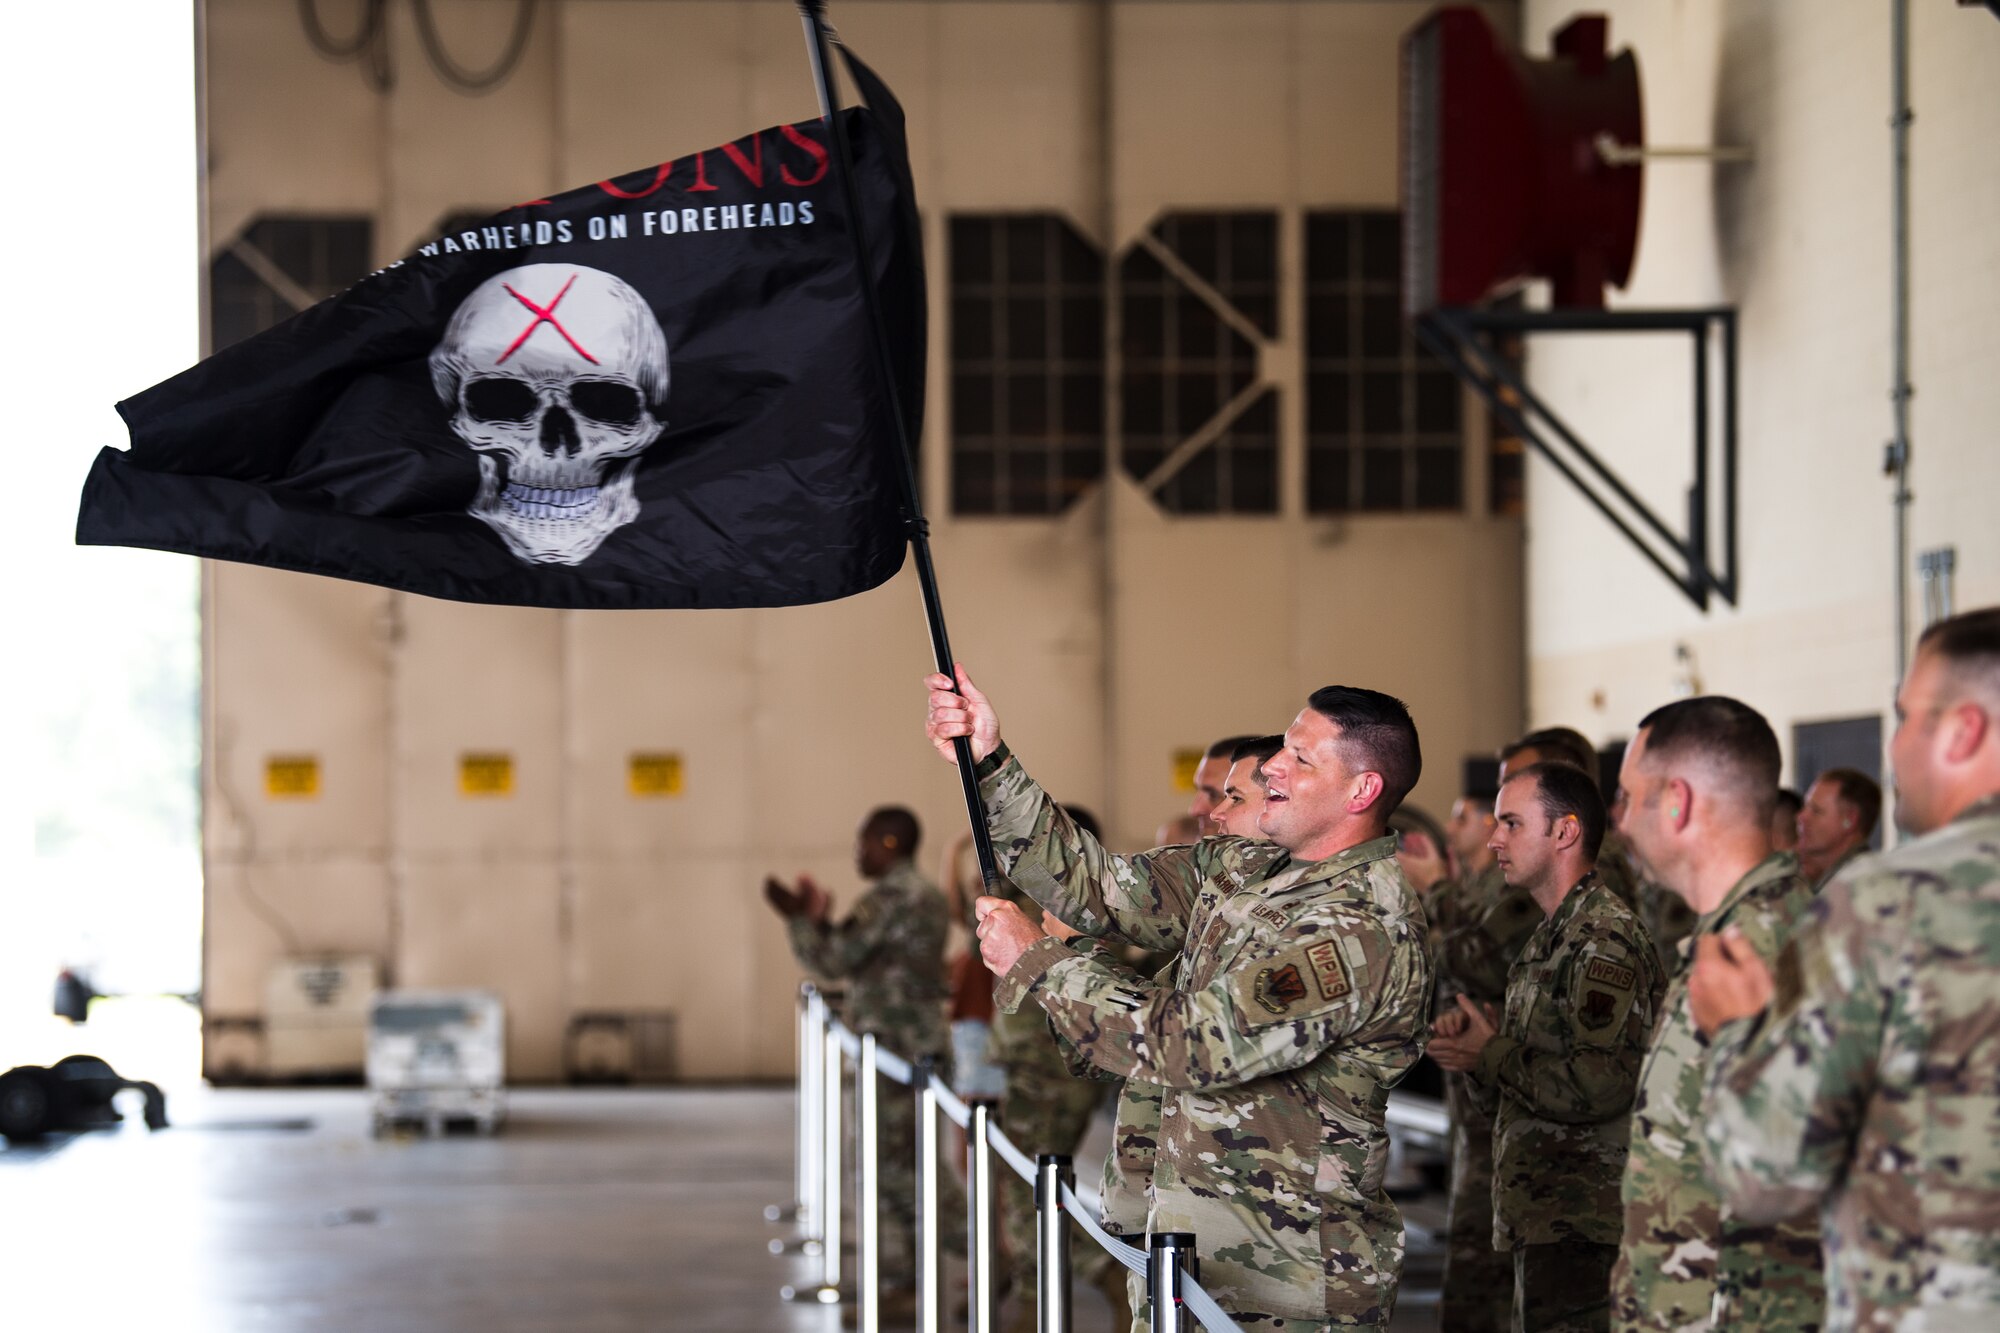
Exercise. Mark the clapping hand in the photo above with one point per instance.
(1459, 1035)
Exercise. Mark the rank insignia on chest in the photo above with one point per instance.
(1278, 989)
(1599, 1008)
(1269, 915)
(1328, 970)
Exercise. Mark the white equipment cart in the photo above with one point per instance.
(436, 1057)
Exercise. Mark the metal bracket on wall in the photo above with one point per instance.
(1464, 339)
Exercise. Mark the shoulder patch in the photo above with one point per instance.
(1266, 913)
(1599, 1008)
(1278, 989)
(1328, 970)
(1609, 973)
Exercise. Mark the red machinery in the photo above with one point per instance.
(1508, 162)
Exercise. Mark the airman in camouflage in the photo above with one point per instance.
(890, 952)
(1699, 781)
(1560, 1066)
(1301, 995)
(1857, 1076)
(1836, 819)
(1473, 907)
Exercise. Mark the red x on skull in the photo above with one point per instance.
(544, 315)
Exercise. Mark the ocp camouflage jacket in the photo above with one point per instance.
(1302, 995)
(1563, 1067)
(1871, 1087)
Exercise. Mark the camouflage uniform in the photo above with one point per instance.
(1302, 994)
(890, 952)
(1046, 1109)
(1686, 1262)
(1562, 1068)
(1846, 859)
(1669, 920)
(1867, 1089)
(1491, 925)
(1614, 868)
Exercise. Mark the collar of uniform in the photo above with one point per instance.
(1569, 906)
(1986, 807)
(1778, 865)
(899, 874)
(1293, 872)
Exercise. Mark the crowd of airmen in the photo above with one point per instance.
(1709, 1062)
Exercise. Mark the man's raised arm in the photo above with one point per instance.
(1145, 899)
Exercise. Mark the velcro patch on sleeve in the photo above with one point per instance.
(1616, 975)
(1277, 989)
(1295, 983)
(1329, 970)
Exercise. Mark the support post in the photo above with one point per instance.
(805, 1171)
(930, 1230)
(982, 1267)
(1169, 1259)
(829, 1161)
(813, 14)
(868, 1194)
(1053, 1171)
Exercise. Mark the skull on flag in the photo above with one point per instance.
(554, 374)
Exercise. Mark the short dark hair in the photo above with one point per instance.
(1259, 748)
(896, 822)
(1084, 820)
(1225, 747)
(1563, 790)
(1376, 734)
(1790, 802)
(1860, 791)
(1562, 745)
(1970, 643)
(1725, 730)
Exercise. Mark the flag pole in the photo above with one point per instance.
(813, 14)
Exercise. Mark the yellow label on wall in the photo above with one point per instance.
(1186, 762)
(655, 774)
(485, 774)
(291, 777)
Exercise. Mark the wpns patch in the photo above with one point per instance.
(1278, 989)
(1328, 970)
(1616, 975)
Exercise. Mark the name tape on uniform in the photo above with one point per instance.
(291, 777)
(485, 773)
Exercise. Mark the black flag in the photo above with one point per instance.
(654, 391)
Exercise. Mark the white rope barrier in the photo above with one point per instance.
(948, 1102)
(1082, 1209)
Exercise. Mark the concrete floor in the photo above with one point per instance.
(275, 1210)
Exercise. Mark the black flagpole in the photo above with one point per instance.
(813, 13)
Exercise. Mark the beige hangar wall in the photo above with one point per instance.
(1799, 240)
(1110, 636)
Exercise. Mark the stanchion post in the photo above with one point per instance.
(829, 1160)
(805, 1172)
(930, 1228)
(814, 1038)
(1052, 1172)
(1169, 1258)
(982, 1269)
(868, 1200)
